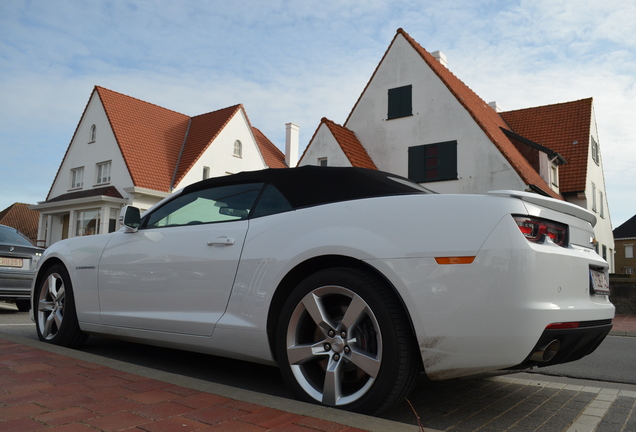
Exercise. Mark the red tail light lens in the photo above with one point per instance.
(537, 230)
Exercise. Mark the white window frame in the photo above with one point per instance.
(323, 161)
(77, 178)
(238, 149)
(93, 134)
(595, 153)
(593, 197)
(554, 174)
(601, 204)
(206, 172)
(629, 251)
(87, 222)
(103, 172)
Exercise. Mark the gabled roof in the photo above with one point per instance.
(202, 130)
(149, 137)
(22, 218)
(564, 128)
(274, 158)
(626, 230)
(484, 115)
(159, 145)
(350, 145)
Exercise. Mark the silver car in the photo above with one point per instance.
(18, 258)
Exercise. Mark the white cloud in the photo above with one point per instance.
(299, 61)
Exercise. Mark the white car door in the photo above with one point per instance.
(176, 273)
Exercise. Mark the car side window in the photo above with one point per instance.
(271, 202)
(212, 205)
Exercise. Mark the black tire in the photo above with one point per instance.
(349, 323)
(55, 314)
(23, 305)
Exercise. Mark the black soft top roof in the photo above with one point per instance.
(312, 185)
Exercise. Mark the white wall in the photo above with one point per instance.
(437, 117)
(82, 153)
(220, 154)
(325, 145)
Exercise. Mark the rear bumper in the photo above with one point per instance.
(14, 285)
(574, 343)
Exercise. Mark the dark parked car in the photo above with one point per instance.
(18, 258)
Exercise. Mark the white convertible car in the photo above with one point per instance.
(352, 281)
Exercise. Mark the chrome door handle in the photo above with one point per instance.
(223, 241)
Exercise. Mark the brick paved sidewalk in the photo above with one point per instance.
(624, 325)
(44, 390)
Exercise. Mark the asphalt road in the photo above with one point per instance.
(442, 406)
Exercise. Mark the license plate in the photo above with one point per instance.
(599, 282)
(10, 262)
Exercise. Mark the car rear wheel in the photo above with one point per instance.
(344, 341)
(55, 314)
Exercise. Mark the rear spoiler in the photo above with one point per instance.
(551, 203)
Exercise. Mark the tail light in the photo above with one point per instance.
(537, 230)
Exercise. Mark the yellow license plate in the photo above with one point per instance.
(10, 262)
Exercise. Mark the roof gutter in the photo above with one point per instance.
(176, 168)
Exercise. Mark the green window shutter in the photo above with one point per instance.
(400, 102)
(433, 162)
(448, 160)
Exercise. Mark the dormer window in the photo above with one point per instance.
(93, 134)
(103, 172)
(238, 149)
(554, 174)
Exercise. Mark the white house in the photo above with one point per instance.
(127, 151)
(417, 119)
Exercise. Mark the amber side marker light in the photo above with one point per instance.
(455, 260)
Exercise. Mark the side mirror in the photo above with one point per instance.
(130, 218)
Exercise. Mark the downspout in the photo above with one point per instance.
(176, 168)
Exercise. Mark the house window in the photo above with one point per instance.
(322, 161)
(593, 197)
(595, 153)
(206, 172)
(605, 252)
(433, 162)
(77, 178)
(238, 149)
(103, 172)
(629, 251)
(629, 270)
(112, 220)
(554, 174)
(93, 134)
(400, 102)
(87, 222)
(601, 204)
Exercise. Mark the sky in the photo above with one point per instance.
(298, 61)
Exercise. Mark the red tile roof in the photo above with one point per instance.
(274, 158)
(350, 145)
(564, 128)
(202, 131)
(484, 115)
(151, 138)
(22, 218)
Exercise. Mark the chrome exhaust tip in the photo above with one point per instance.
(546, 353)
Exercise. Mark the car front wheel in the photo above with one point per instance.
(344, 341)
(55, 314)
